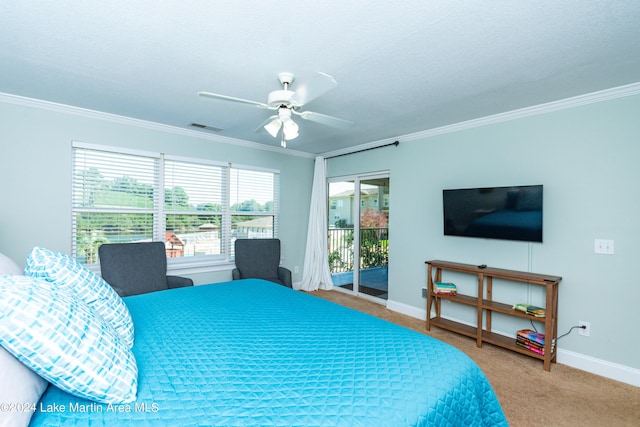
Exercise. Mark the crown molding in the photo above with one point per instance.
(563, 104)
(114, 118)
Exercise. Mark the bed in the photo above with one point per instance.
(253, 353)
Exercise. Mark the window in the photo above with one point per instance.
(253, 204)
(197, 207)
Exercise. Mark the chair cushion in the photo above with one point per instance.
(134, 268)
(258, 258)
(57, 335)
(174, 282)
(66, 273)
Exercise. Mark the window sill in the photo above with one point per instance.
(184, 268)
(199, 267)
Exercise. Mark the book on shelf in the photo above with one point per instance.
(536, 350)
(529, 335)
(533, 341)
(531, 309)
(531, 344)
(445, 288)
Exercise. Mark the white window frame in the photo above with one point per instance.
(191, 264)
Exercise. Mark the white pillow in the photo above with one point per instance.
(21, 388)
(67, 273)
(64, 341)
(19, 385)
(7, 266)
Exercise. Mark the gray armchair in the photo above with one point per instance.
(260, 259)
(137, 268)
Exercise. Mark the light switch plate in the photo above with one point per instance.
(603, 246)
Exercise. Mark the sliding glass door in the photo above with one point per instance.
(341, 236)
(373, 244)
(358, 233)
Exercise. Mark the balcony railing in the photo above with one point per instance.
(374, 248)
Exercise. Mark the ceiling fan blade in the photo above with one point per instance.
(323, 119)
(306, 92)
(261, 127)
(233, 99)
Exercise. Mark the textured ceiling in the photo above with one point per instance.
(401, 67)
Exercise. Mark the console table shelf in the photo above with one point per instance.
(485, 306)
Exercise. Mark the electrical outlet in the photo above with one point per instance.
(424, 292)
(296, 270)
(603, 246)
(586, 331)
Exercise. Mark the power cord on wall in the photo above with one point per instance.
(563, 335)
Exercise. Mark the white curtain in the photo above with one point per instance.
(316, 274)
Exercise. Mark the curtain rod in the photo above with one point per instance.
(396, 143)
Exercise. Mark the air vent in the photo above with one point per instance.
(205, 127)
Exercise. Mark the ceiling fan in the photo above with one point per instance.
(287, 102)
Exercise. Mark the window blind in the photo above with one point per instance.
(114, 199)
(197, 207)
(254, 203)
(194, 196)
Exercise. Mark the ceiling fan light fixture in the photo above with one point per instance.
(273, 127)
(289, 128)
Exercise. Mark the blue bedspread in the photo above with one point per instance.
(251, 353)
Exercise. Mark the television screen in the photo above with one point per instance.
(510, 213)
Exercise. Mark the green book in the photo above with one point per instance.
(445, 285)
(531, 309)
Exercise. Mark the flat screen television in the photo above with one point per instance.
(510, 213)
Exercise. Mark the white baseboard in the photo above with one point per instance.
(408, 310)
(600, 367)
(580, 361)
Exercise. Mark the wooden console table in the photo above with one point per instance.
(485, 306)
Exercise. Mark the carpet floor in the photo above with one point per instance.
(529, 395)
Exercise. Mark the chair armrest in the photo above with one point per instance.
(235, 274)
(284, 275)
(178, 282)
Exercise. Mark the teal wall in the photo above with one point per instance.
(587, 159)
(35, 152)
